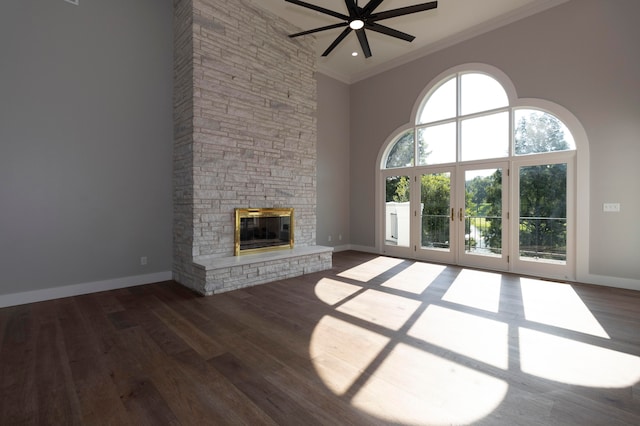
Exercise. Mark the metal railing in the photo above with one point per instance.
(542, 238)
(435, 231)
(477, 231)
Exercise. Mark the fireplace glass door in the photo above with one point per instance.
(263, 229)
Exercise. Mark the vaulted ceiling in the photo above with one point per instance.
(451, 22)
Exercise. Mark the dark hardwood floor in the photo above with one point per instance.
(373, 341)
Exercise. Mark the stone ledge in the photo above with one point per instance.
(230, 273)
(212, 263)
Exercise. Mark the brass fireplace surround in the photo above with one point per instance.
(263, 229)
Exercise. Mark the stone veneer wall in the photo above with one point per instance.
(245, 131)
(183, 90)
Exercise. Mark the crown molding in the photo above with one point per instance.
(343, 78)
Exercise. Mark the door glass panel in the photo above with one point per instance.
(483, 212)
(435, 204)
(437, 144)
(397, 211)
(543, 213)
(485, 137)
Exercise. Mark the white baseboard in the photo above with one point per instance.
(365, 249)
(33, 296)
(344, 247)
(625, 283)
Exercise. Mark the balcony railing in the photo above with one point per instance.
(477, 231)
(541, 238)
(435, 231)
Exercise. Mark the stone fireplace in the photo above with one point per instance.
(245, 135)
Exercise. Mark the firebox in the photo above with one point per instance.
(258, 230)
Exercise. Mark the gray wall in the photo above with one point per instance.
(85, 141)
(582, 55)
(333, 162)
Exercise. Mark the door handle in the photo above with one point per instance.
(453, 215)
(461, 214)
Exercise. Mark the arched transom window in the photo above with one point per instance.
(468, 116)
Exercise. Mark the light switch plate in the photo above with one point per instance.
(611, 207)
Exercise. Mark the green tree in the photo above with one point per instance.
(539, 132)
(397, 189)
(493, 234)
(542, 190)
(476, 196)
(543, 208)
(402, 152)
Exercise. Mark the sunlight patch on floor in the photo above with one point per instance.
(576, 363)
(416, 278)
(336, 374)
(476, 289)
(367, 271)
(336, 343)
(380, 308)
(333, 291)
(439, 359)
(558, 305)
(482, 339)
(441, 391)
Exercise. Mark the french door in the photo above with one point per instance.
(460, 215)
(435, 215)
(449, 214)
(483, 215)
(543, 235)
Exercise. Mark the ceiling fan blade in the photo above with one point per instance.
(389, 31)
(315, 30)
(371, 6)
(352, 8)
(364, 43)
(319, 9)
(402, 11)
(337, 41)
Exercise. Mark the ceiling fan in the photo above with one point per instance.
(361, 18)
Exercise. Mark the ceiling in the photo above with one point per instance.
(453, 21)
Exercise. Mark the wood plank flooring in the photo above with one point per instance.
(373, 341)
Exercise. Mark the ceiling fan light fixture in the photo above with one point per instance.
(361, 18)
(356, 24)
